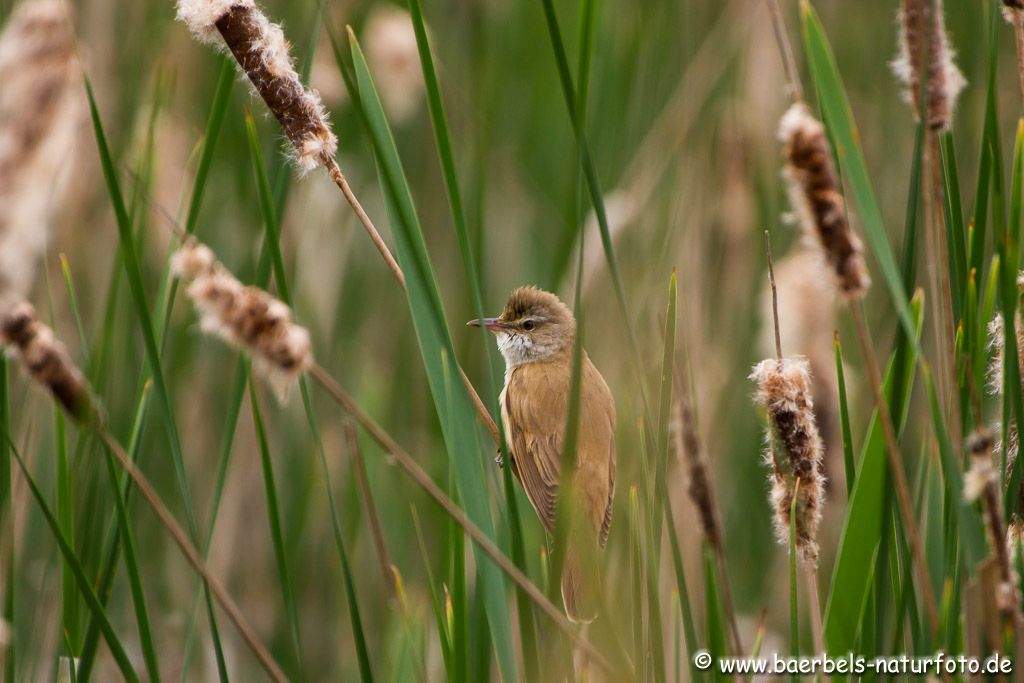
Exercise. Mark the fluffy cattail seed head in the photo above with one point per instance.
(248, 318)
(794, 450)
(40, 109)
(924, 45)
(262, 53)
(815, 196)
(980, 483)
(981, 473)
(47, 361)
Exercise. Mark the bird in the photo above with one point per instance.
(535, 334)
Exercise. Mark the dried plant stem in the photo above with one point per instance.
(775, 295)
(410, 467)
(817, 630)
(339, 179)
(786, 50)
(193, 557)
(942, 297)
(896, 468)
(1018, 34)
(376, 532)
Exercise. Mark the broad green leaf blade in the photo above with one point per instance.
(862, 528)
(839, 121)
(458, 426)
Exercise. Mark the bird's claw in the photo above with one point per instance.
(499, 460)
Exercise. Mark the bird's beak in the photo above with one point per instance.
(492, 324)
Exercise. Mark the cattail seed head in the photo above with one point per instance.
(982, 472)
(687, 445)
(815, 196)
(47, 361)
(924, 45)
(40, 110)
(262, 53)
(248, 318)
(1012, 9)
(794, 450)
(980, 483)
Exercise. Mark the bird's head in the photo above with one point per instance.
(534, 326)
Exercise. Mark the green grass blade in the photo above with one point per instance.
(858, 548)
(1008, 243)
(571, 96)
(459, 428)
(443, 632)
(116, 648)
(794, 600)
(850, 467)
(6, 518)
(133, 270)
(273, 248)
(66, 516)
(955, 231)
(277, 538)
(111, 546)
(131, 563)
(839, 121)
(214, 123)
(971, 531)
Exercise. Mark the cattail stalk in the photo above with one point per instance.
(262, 53)
(246, 317)
(388, 570)
(816, 197)
(933, 83)
(48, 364)
(1013, 10)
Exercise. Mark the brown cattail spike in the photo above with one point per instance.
(794, 450)
(924, 45)
(246, 317)
(262, 53)
(815, 196)
(47, 362)
(700, 488)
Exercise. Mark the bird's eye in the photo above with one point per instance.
(529, 325)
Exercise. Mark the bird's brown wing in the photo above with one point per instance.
(535, 411)
(595, 458)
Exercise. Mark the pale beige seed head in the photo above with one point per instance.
(393, 56)
(248, 318)
(40, 116)
(794, 450)
(923, 44)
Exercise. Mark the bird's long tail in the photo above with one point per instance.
(578, 590)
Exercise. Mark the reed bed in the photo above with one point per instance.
(816, 452)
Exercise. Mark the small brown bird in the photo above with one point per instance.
(535, 334)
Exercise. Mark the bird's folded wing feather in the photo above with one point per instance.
(535, 413)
